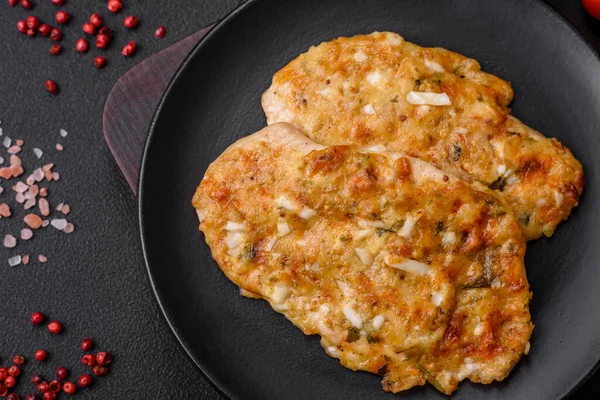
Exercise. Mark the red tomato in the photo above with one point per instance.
(592, 7)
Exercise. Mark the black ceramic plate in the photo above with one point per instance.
(250, 351)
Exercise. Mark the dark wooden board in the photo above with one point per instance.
(132, 100)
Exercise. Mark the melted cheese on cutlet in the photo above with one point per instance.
(432, 104)
(403, 271)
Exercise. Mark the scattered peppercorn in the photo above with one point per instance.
(114, 6)
(32, 397)
(160, 32)
(62, 17)
(62, 373)
(56, 35)
(100, 370)
(42, 387)
(10, 381)
(129, 49)
(3, 390)
(56, 49)
(81, 45)
(96, 20)
(69, 388)
(19, 360)
(12, 3)
(32, 22)
(55, 327)
(99, 62)
(58, 2)
(130, 22)
(102, 40)
(13, 396)
(26, 4)
(50, 396)
(3, 373)
(13, 370)
(36, 379)
(87, 344)
(22, 26)
(31, 32)
(45, 29)
(41, 355)
(37, 318)
(54, 386)
(89, 359)
(103, 358)
(89, 28)
(51, 87)
(85, 380)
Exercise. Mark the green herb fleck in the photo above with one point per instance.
(353, 335)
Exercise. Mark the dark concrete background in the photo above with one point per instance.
(95, 281)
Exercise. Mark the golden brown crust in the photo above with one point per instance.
(404, 271)
(354, 91)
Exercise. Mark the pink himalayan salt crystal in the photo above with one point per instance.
(48, 167)
(25, 259)
(20, 198)
(59, 223)
(14, 150)
(59, 147)
(69, 228)
(5, 210)
(15, 161)
(44, 207)
(55, 176)
(29, 203)
(38, 175)
(59, 206)
(66, 209)
(20, 142)
(44, 191)
(10, 241)
(20, 187)
(30, 180)
(45, 223)
(42, 258)
(34, 190)
(26, 234)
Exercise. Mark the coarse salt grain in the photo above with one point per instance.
(26, 234)
(45, 223)
(20, 187)
(29, 203)
(38, 152)
(59, 206)
(7, 142)
(48, 167)
(42, 258)
(38, 174)
(15, 160)
(59, 147)
(69, 228)
(10, 241)
(14, 150)
(66, 209)
(33, 221)
(44, 206)
(55, 176)
(63, 133)
(20, 198)
(14, 261)
(30, 181)
(5, 210)
(59, 223)
(25, 259)
(1, 160)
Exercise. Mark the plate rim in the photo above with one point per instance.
(213, 380)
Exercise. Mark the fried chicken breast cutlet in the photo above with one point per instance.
(404, 271)
(432, 104)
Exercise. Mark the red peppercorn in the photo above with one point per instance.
(14, 371)
(85, 380)
(81, 45)
(102, 40)
(12, 3)
(56, 49)
(129, 49)
(13, 396)
(160, 32)
(42, 387)
(50, 396)
(99, 62)
(55, 326)
(32, 397)
(69, 388)
(114, 6)
(62, 17)
(103, 358)
(130, 22)
(89, 28)
(87, 344)
(22, 26)
(54, 386)
(36, 379)
(96, 20)
(33, 22)
(100, 370)
(26, 4)
(3, 373)
(19, 360)
(62, 373)
(10, 382)
(55, 35)
(89, 360)
(58, 2)
(44, 29)
(41, 355)
(3, 390)
(31, 32)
